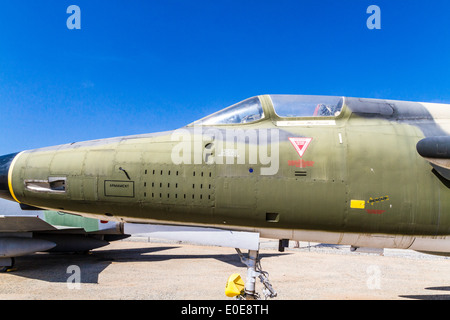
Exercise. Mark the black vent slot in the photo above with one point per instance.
(300, 173)
(272, 217)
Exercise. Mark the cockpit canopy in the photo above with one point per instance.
(284, 106)
(291, 106)
(246, 111)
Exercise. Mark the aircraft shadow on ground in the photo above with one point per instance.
(54, 267)
(431, 296)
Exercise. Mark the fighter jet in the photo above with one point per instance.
(29, 230)
(338, 170)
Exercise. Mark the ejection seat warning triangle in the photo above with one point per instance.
(300, 144)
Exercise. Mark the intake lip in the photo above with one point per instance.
(5, 163)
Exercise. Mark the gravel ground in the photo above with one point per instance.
(138, 269)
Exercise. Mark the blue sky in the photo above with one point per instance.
(155, 65)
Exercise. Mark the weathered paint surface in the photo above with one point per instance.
(359, 173)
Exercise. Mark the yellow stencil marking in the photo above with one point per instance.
(357, 204)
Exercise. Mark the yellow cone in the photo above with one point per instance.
(235, 285)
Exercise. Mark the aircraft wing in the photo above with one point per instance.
(15, 224)
(24, 224)
(436, 150)
(14, 218)
(25, 231)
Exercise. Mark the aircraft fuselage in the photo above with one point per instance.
(356, 172)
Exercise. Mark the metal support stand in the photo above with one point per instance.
(254, 270)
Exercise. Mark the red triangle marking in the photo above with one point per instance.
(300, 144)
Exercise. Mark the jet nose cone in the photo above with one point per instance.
(5, 163)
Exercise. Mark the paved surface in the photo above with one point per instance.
(159, 270)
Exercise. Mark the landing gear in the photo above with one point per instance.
(7, 264)
(254, 270)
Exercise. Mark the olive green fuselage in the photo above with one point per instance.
(360, 173)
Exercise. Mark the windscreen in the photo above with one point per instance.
(246, 111)
(291, 106)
